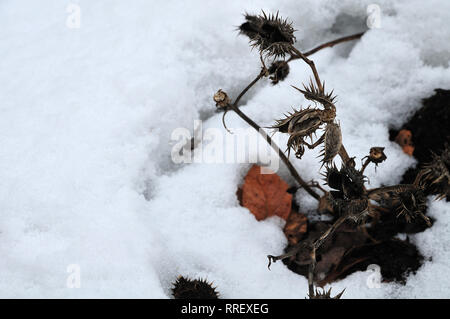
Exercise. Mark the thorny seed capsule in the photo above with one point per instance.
(325, 294)
(332, 142)
(435, 176)
(313, 93)
(185, 288)
(412, 204)
(271, 34)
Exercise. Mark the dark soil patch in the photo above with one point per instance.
(352, 249)
(430, 128)
(396, 258)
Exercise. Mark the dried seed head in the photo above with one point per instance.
(185, 288)
(353, 182)
(348, 182)
(435, 176)
(347, 198)
(279, 70)
(325, 294)
(299, 125)
(376, 155)
(332, 143)
(302, 122)
(412, 205)
(221, 98)
(312, 93)
(271, 34)
(333, 177)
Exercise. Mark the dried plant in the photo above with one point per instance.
(435, 176)
(348, 197)
(271, 34)
(325, 294)
(186, 288)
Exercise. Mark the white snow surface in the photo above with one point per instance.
(85, 124)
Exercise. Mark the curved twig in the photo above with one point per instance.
(387, 189)
(334, 42)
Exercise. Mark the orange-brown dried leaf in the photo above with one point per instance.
(404, 139)
(296, 227)
(266, 195)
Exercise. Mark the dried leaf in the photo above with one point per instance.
(295, 228)
(404, 139)
(265, 195)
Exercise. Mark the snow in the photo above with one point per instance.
(86, 119)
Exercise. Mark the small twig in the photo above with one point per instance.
(328, 232)
(334, 42)
(311, 269)
(315, 184)
(387, 189)
(292, 252)
(297, 54)
(366, 163)
(329, 45)
(344, 155)
(260, 75)
(223, 120)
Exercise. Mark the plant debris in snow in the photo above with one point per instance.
(185, 288)
(331, 251)
(429, 131)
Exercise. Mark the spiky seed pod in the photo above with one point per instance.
(299, 125)
(312, 93)
(353, 182)
(302, 122)
(221, 98)
(411, 205)
(435, 176)
(279, 70)
(325, 294)
(271, 34)
(332, 142)
(348, 181)
(333, 177)
(185, 288)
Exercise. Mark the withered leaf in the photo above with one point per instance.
(295, 228)
(265, 195)
(404, 139)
